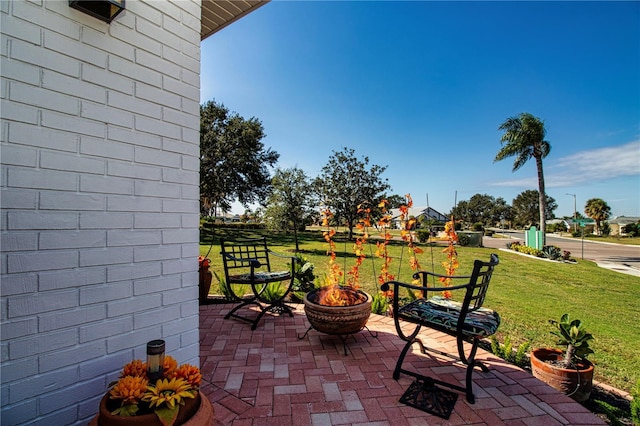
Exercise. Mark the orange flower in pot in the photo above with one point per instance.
(138, 397)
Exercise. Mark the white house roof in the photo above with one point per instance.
(420, 211)
(624, 220)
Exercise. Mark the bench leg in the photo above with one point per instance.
(398, 369)
(471, 363)
(468, 360)
(232, 313)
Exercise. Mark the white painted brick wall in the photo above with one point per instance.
(99, 144)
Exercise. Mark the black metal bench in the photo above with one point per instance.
(466, 320)
(250, 281)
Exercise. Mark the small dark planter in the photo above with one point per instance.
(204, 284)
(574, 382)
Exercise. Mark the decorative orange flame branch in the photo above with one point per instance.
(358, 246)
(408, 224)
(381, 246)
(335, 273)
(333, 294)
(451, 264)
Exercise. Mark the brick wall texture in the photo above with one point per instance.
(99, 239)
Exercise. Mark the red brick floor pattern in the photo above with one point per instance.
(270, 377)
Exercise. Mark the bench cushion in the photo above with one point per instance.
(261, 277)
(443, 314)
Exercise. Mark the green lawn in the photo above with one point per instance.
(635, 241)
(525, 291)
(631, 241)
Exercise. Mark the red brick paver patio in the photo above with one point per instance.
(270, 377)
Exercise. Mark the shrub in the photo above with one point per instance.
(506, 352)
(224, 288)
(478, 226)
(632, 229)
(526, 249)
(552, 252)
(273, 291)
(463, 240)
(557, 227)
(577, 233)
(423, 235)
(303, 278)
(303, 275)
(379, 304)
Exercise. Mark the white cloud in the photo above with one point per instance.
(604, 163)
(530, 182)
(597, 164)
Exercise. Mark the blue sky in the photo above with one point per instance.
(422, 87)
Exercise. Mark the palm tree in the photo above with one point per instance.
(523, 138)
(598, 210)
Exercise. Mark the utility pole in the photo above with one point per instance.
(575, 214)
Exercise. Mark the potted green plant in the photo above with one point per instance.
(303, 278)
(568, 371)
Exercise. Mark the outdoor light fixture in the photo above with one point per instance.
(105, 10)
(155, 359)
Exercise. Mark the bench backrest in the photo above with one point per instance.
(479, 281)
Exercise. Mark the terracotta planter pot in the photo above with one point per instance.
(574, 382)
(195, 412)
(337, 320)
(205, 283)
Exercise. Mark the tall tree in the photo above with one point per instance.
(291, 201)
(234, 163)
(461, 211)
(598, 210)
(526, 205)
(523, 138)
(501, 212)
(482, 208)
(347, 182)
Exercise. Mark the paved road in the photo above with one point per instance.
(618, 257)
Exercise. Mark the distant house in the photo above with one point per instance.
(419, 213)
(618, 223)
(228, 217)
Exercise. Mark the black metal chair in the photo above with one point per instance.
(250, 281)
(466, 320)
